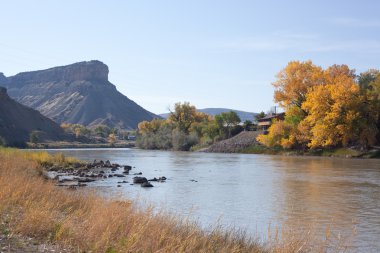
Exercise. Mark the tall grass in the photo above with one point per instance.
(85, 222)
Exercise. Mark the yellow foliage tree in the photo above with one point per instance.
(150, 126)
(325, 108)
(279, 135)
(333, 112)
(184, 115)
(294, 81)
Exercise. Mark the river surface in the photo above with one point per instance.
(256, 192)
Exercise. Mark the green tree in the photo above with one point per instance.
(370, 89)
(227, 121)
(34, 137)
(2, 141)
(102, 131)
(259, 116)
(247, 125)
(365, 78)
(211, 130)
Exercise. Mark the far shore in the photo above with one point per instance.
(68, 145)
(228, 146)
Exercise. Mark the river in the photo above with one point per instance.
(256, 192)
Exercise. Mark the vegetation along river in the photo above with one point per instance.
(255, 192)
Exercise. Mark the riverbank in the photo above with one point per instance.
(61, 145)
(246, 143)
(33, 209)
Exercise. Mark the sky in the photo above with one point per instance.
(211, 53)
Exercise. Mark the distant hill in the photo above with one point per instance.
(18, 121)
(79, 93)
(214, 111)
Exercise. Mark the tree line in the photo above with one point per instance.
(186, 129)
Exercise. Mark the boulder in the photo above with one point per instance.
(146, 184)
(140, 180)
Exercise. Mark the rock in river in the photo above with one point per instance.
(140, 180)
(146, 184)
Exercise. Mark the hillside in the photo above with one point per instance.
(243, 115)
(79, 93)
(18, 121)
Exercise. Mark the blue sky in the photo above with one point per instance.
(210, 53)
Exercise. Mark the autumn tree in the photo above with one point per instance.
(278, 134)
(184, 115)
(294, 81)
(333, 113)
(325, 108)
(153, 126)
(112, 138)
(155, 134)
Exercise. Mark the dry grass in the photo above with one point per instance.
(32, 206)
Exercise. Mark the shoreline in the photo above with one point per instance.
(68, 145)
(348, 153)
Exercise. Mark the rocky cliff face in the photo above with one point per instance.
(78, 93)
(18, 121)
(92, 70)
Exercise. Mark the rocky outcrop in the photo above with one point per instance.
(17, 122)
(79, 93)
(235, 144)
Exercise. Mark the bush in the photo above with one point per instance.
(3, 142)
(182, 141)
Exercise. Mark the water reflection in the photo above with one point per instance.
(339, 194)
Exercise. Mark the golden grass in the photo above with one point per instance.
(32, 206)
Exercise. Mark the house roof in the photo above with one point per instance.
(269, 117)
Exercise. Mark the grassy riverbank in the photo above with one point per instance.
(337, 152)
(78, 221)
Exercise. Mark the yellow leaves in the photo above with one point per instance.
(324, 108)
(184, 115)
(333, 110)
(280, 133)
(294, 81)
(150, 126)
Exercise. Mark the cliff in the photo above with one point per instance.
(79, 93)
(92, 70)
